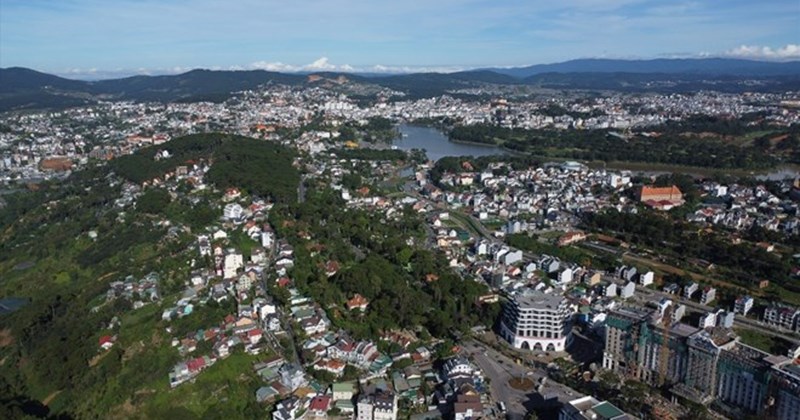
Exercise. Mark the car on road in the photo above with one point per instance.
(502, 406)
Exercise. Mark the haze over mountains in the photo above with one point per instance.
(22, 88)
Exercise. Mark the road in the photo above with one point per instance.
(301, 190)
(500, 369)
(739, 321)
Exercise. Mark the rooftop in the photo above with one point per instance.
(538, 300)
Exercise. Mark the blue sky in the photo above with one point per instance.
(105, 37)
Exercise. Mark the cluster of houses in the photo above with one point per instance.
(138, 292)
(232, 276)
(532, 198)
(783, 316)
(741, 207)
(457, 389)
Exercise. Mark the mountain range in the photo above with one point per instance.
(22, 88)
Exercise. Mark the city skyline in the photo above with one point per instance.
(85, 38)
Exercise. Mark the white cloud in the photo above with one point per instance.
(787, 52)
(322, 64)
(277, 66)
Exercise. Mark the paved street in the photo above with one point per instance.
(646, 294)
(500, 369)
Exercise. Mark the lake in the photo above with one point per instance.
(437, 145)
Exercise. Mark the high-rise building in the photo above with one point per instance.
(533, 320)
(743, 378)
(786, 383)
(700, 384)
(641, 345)
(703, 365)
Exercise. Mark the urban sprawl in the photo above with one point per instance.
(628, 321)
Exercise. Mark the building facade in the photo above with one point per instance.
(537, 321)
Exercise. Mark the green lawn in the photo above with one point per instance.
(242, 243)
(228, 387)
(762, 342)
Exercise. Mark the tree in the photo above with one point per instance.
(153, 201)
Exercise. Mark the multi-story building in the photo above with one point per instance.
(743, 375)
(708, 295)
(743, 305)
(533, 320)
(382, 405)
(700, 384)
(782, 316)
(690, 290)
(702, 365)
(640, 344)
(646, 279)
(786, 382)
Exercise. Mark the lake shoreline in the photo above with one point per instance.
(424, 137)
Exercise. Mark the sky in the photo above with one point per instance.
(86, 38)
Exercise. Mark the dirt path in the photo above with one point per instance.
(6, 339)
(95, 360)
(107, 275)
(51, 397)
(681, 272)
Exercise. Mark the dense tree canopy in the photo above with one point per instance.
(599, 145)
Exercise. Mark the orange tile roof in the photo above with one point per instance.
(648, 191)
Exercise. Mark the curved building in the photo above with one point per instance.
(537, 321)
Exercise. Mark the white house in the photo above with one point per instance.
(690, 290)
(646, 279)
(233, 211)
(232, 263)
(709, 294)
(707, 320)
(628, 290)
(743, 305)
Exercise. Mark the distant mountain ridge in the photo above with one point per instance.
(22, 88)
(705, 66)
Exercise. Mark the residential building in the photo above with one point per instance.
(707, 320)
(709, 295)
(628, 290)
(646, 279)
(318, 407)
(782, 316)
(457, 366)
(292, 376)
(382, 405)
(467, 406)
(233, 211)
(743, 305)
(343, 391)
(690, 290)
(289, 408)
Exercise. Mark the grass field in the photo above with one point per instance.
(763, 342)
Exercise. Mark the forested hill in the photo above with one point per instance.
(62, 244)
(22, 88)
(260, 167)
